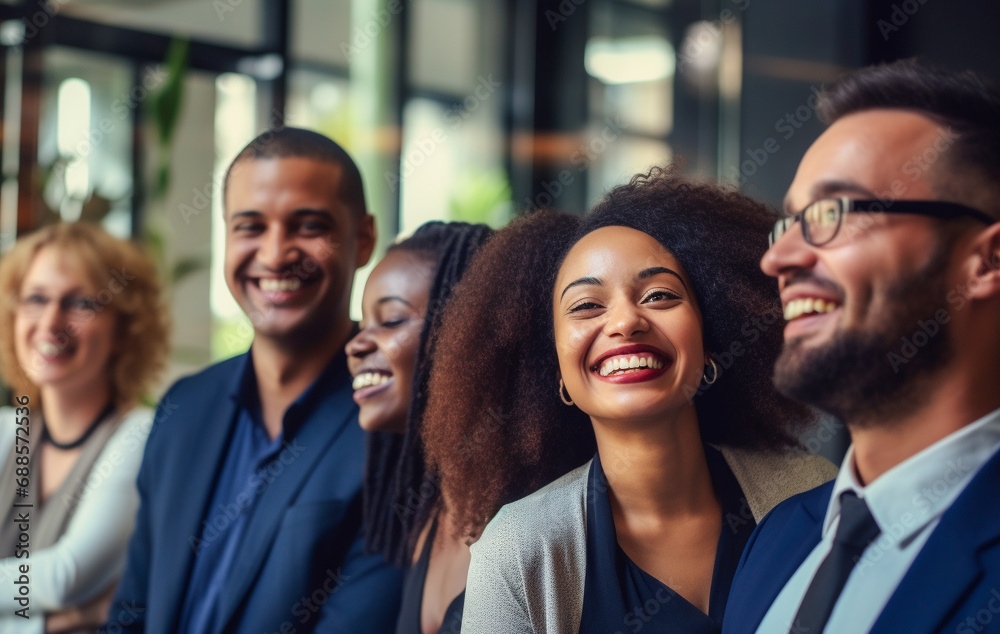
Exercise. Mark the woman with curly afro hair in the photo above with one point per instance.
(486, 329)
(659, 327)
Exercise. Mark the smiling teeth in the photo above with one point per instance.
(808, 305)
(48, 349)
(629, 363)
(366, 379)
(271, 285)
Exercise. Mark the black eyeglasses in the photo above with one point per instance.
(822, 219)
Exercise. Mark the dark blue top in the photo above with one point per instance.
(243, 477)
(619, 597)
(413, 595)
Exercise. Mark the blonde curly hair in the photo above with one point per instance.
(129, 287)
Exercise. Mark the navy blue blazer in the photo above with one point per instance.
(301, 566)
(953, 585)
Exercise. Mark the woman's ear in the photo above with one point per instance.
(983, 280)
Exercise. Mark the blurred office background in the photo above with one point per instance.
(128, 111)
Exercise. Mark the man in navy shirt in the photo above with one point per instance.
(250, 515)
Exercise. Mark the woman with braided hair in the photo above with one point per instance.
(390, 359)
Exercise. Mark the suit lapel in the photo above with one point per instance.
(314, 439)
(790, 545)
(950, 558)
(195, 478)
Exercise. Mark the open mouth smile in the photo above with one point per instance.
(631, 364)
(286, 285)
(626, 364)
(377, 377)
(806, 306)
(52, 352)
(368, 383)
(279, 290)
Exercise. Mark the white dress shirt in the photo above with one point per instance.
(907, 502)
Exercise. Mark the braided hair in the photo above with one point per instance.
(399, 495)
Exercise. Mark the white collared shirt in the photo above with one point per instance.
(907, 502)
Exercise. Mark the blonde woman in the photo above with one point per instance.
(83, 334)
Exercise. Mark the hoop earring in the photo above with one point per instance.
(563, 395)
(715, 372)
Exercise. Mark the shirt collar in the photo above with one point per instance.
(908, 497)
(244, 393)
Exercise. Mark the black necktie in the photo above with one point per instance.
(856, 530)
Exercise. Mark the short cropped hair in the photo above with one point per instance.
(129, 287)
(963, 102)
(299, 143)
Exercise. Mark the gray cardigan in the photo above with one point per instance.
(528, 568)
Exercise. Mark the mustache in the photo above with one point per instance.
(807, 277)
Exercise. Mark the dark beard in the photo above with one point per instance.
(863, 377)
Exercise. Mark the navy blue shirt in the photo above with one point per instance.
(244, 476)
(620, 597)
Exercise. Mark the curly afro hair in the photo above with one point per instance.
(494, 428)
(719, 236)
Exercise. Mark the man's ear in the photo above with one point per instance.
(366, 240)
(984, 264)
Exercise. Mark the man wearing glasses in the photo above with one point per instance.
(889, 271)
